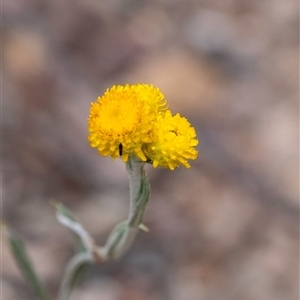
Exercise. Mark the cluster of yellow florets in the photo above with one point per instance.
(134, 120)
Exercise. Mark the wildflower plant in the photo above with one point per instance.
(133, 123)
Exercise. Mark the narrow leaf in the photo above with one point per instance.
(25, 265)
(83, 240)
(63, 210)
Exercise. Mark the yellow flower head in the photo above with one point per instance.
(174, 142)
(121, 121)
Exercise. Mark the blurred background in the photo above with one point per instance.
(228, 228)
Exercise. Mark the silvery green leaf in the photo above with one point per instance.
(25, 265)
(84, 241)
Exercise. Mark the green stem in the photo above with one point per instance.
(139, 190)
(120, 238)
(74, 266)
(124, 234)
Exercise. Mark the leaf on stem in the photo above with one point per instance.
(83, 240)
(24, 264)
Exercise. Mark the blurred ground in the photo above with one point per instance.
(228, 228)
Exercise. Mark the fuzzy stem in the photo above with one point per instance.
(74, 264)
(121, 237)
(139, 191)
